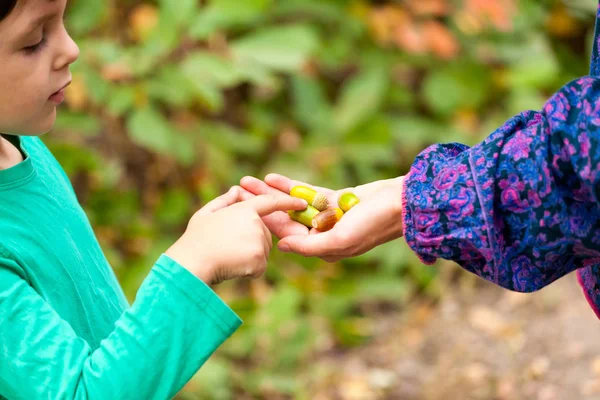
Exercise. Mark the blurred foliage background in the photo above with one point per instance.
(173, 102)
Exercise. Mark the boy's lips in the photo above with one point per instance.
(59, 96)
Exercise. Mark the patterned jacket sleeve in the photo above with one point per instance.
(522, 208)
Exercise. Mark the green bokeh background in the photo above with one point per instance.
(174, 101)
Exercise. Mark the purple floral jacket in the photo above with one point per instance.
(521, 209)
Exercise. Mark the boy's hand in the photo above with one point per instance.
(227, 238)
(377, 219)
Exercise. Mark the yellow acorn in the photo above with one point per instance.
(348, 200)
(314, 198)
(325, 220)
(305, 217)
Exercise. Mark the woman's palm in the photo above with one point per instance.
(368, 224)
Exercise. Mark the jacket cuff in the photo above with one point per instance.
(442, 213)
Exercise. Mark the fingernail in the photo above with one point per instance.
(284, 248)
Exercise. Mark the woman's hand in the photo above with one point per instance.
(377, 219)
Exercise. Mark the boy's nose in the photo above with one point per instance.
(69, 53)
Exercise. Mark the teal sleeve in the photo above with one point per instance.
(172, 328)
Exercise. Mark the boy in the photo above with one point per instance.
(66, 330)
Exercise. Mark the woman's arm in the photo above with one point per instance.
(521, 209)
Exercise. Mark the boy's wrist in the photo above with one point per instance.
(182, 256)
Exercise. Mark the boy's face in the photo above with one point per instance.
(35, 54)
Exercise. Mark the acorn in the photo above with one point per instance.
(348, 200)
(305, 217)
(325, 220)
(314, 198)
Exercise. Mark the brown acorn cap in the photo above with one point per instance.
(320, 202)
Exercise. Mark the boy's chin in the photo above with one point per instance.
(39, 128)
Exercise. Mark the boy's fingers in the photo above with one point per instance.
(268, 204)
(268, 242)
(279, 222)
(233, 196)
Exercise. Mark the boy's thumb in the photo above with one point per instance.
(234, 195)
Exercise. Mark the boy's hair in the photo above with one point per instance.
(6, 7)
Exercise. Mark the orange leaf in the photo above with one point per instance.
(440, 40)
(77, 96)
(409, 36)
(561, 24)
(499, 12)
(438, 8)
(116, 72)
(142, 20)
(379, 26)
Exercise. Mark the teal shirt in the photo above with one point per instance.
(66, 328)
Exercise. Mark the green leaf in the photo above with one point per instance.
(536, 68)
(464, 85)
(227, 138)
(103, 51)
(416, 132)
(413, 130)
(148, 128)
(174, 207)
(208, 94)
(73, 159)
(281, 382)
(375, 130)
(282, 306)
(85, 16)
(171, 87)
(83, 123)
(260, 75)
(121, 99)
(360, 98)
(224, 14)
(525, 98)
(381, 287)
(166, 36)
(284, 48)
(327, 12)
(311, 107)
(178, 13)
(97, 87)
(368, 153)
(214, 379)
(212, 68)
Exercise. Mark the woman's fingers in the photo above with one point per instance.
(285, 184)
(258, 187)
(320, 245)
(280, 224)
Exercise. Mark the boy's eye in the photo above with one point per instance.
(36, 47)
